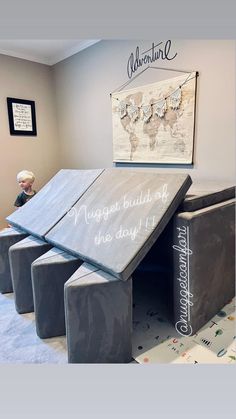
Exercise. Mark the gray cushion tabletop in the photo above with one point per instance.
(115, 223)
(202, 198)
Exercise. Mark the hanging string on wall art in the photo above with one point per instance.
(158, 107)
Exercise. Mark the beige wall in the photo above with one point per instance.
(26, 80)
(73, 111)
(83, 83)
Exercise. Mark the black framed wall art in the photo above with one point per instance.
(22, 117)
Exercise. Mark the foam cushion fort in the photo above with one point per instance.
(116, 222)
(52, 202)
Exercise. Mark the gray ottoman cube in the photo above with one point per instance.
(98, 310)
(49, 273)
(21, 255)
(8, 237)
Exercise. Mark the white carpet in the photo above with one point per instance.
(19, 342)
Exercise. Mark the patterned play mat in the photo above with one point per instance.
(155, 339)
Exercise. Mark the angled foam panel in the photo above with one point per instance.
(115, 223)
(53, 201)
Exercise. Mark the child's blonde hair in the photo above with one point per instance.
(25, 175)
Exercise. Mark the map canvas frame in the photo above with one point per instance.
(164, 140)
(22, 117)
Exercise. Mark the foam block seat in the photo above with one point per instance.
(49, 273)
(203, 264)
(21, 255)
(8, 237)
(98, 309)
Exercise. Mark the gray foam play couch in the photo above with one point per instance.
(150, 229)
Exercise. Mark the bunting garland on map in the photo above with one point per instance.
(147, 112)
(175, 99)
(122, 109)
(133, 112)
(159, 107)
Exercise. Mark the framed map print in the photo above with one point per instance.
(155, 123)
(21, 115)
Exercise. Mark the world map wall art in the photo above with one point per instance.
(155, 123)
